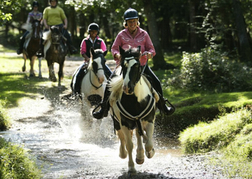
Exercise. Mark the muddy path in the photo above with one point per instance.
(67, 144)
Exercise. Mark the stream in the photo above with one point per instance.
(69, 144)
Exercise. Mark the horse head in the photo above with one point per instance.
(56, 34)
(98, 63)
(36, 30)
(131, 68)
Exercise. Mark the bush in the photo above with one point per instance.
(211, 70)
(4, 122)
(15, 162)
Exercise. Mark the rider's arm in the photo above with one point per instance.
(45, 23)
(65, 23)
(83, 50)
(103, 46)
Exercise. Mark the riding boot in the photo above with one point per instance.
(163, 107)
(103, 112)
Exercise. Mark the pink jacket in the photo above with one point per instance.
(124, 39)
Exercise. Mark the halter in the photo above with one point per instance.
(96, 87)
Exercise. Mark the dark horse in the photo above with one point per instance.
(133, 106)
(55, 50)
(31, 45)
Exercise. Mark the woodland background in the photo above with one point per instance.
(181, 25)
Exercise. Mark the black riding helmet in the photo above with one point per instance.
(130, 14)
(93, 26)
(35, 4)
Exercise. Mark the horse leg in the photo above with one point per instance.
(149, 129)
(123, 152)
(140, 149)
(32, 60)
(52, 76)
(60, 73)
(24, 66)
(40, 73)
(129, 147)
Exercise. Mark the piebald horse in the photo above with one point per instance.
(31, 45)
(94, 82)
(133, 106)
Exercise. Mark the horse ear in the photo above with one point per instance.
(105, 53)
(92, 51)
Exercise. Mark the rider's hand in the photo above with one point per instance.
(149, 55)
(65, 26)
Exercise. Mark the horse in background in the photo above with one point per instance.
(133, 105)
(93, 83)
(32, 45)
(55, 50)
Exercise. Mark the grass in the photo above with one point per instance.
(15, 162)
(194, 114)
(229, 135)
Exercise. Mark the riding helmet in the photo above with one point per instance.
(93, 26)
(130, 14)
(35, 4)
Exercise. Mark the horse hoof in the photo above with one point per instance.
(32, 75)
(132, 170)
(139, 161)
(150, 154)
(23, 69)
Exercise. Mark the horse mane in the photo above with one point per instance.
(115, 86)
(47, 35)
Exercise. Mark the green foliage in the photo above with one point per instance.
(15, 163)
(218, 134)
(210, 70)
(4, 121)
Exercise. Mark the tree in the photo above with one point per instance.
(245, 48)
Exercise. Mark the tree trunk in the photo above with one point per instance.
(72, 21)
(192, 34)
(158, 59)
(245, 49)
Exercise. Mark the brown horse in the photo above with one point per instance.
(31, 45)
(55, 50)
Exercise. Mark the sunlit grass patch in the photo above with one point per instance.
(229, 135)
(221, 132)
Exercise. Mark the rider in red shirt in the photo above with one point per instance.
(134, 36)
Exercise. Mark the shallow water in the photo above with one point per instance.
(69, 144)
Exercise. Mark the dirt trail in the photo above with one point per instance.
(69, 145)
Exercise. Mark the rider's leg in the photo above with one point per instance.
(103, 112)
(72, 49)
(157, 86)
(21, 44)
(76, 86)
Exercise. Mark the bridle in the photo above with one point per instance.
(96, 87)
